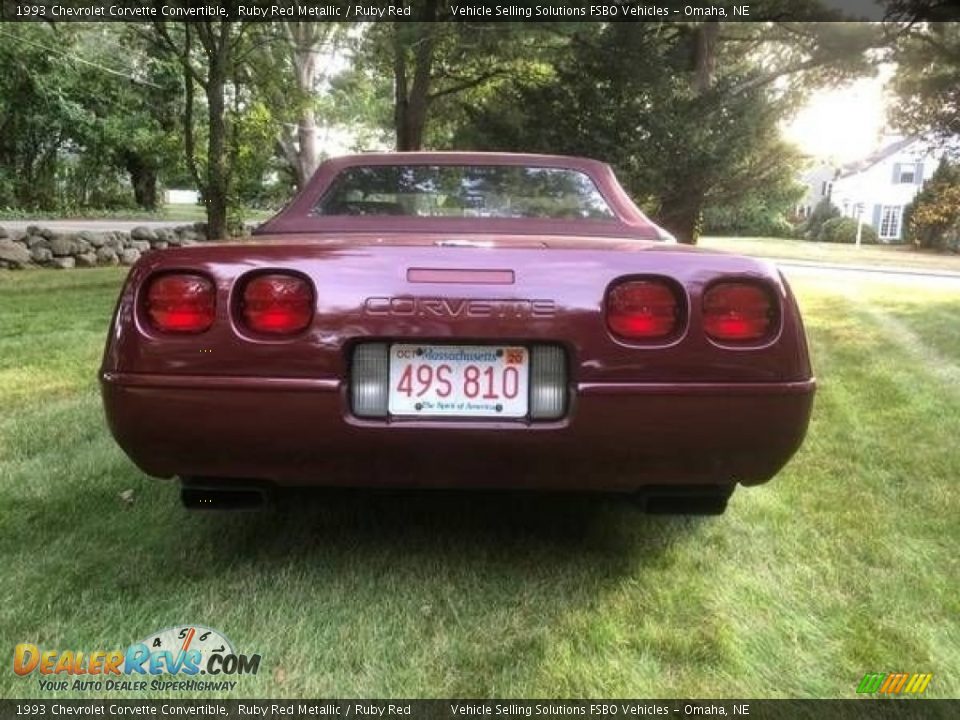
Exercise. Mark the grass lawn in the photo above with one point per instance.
(900, 256)
(846, 563)
(197, 213)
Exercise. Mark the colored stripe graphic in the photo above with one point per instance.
(894, 683)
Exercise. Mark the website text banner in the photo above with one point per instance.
(471, 10)
(502, 709)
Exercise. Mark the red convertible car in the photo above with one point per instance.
(458, 320)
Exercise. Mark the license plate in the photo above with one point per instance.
(459, 380)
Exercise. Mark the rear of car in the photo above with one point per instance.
(539, 347)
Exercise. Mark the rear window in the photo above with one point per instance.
(494, 191)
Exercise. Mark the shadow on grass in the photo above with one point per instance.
(567, 538)
(569, 522)
(606, 535)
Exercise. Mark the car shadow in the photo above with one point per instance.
(608, 532)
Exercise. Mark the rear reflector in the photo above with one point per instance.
(643, 310)
(548, 382)
(277, 304)
(370, 380)
(738, 312)
(181, 303)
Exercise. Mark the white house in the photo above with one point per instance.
(878, 187)
(819, 182)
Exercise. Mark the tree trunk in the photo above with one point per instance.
(412, 100)
(143, 177)
(309, 155)
(216, 192)
(682, 215)
(215, 195)
(305, 38)
(411, 124)
(400, 100)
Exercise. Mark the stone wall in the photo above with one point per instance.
(42, 247)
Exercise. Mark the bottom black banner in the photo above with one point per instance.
(465, 709)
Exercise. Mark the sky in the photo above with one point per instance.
(842, 124)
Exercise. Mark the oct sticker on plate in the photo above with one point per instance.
(459, 380)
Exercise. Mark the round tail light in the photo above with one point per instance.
(643, 310)
(277, 304)
(738, 312)
(181, 303)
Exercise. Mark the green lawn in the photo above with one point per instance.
(846, 563)
(900, 256)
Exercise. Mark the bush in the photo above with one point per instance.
(932, 220)
(742, 221)
(844, 230)
(822, 213)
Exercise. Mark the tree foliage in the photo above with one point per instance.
(933, 218)
(688, 113)
(432, 62)
(286, 68)
(927, 81)
(80, 108)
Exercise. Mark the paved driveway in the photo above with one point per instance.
(912, 276)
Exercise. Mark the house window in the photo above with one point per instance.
(890, 216)
(907, 174)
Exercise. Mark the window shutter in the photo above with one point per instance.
(918, 174)
(876, 218)
(896, 173)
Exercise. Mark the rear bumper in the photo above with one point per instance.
(617, 436)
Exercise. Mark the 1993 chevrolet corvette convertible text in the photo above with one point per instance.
(458, 320)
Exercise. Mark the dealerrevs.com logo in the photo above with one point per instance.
(190, 658)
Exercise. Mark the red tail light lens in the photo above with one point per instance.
(181, 303)
(643, 310)
(277, 304)
(738, 312)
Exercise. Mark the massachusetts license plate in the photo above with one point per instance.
(459, 380)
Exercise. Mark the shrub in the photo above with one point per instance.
(932, 220)
(742, 221)
(823, 212)
(844, 230)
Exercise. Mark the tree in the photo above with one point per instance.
(287, 71)
(432, 60)
(207, 52)
(35, 117)
(689, 113)
(764, 210)
(933, 218)
(927, 81)
(132, 115)
(81, 105)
